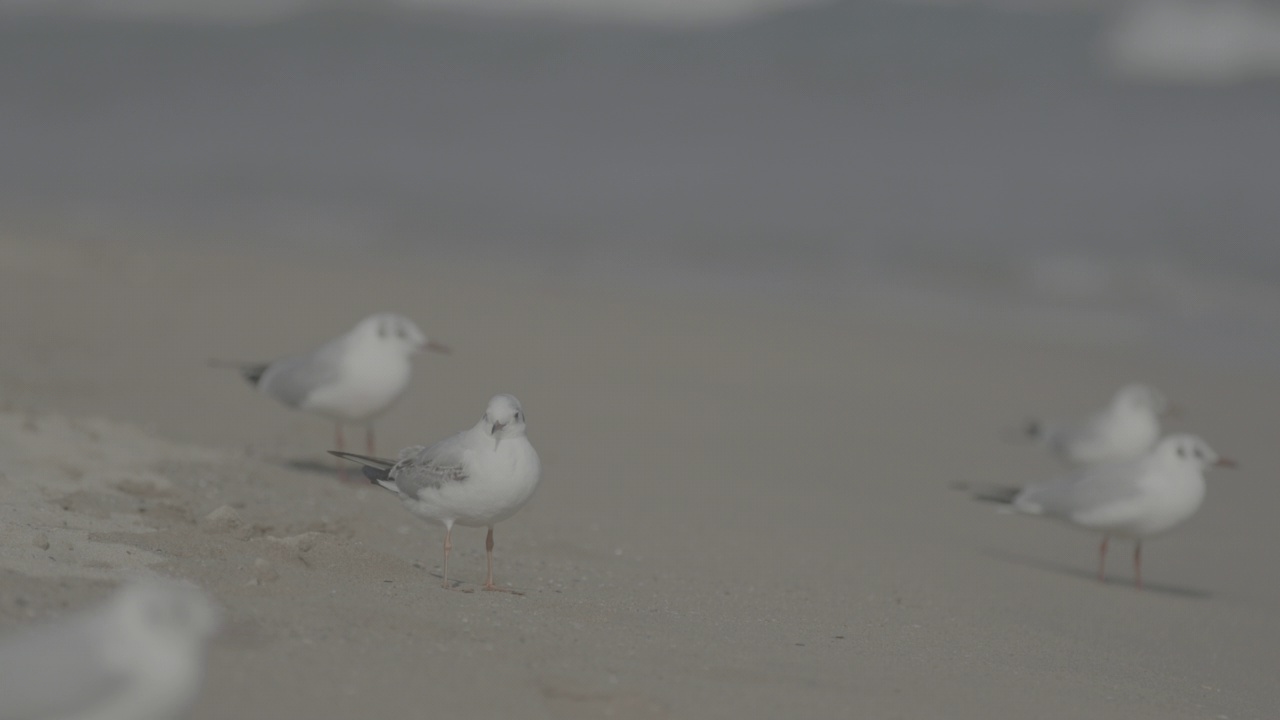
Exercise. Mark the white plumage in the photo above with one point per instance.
(353, 378)
(476, 478)
(139, 656)
(1136, 499)
(1126, 428)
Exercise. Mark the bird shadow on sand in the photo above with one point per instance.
(1124, 580)
(310, 465)
(314, 466)
(465, 587)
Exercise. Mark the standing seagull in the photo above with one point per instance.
(1137, 498)
(350, 379)
(476, 478)
(138, 657)
(1124, 429)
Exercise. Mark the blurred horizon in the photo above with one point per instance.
(1104, 162)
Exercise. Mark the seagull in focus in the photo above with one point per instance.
(353, 378)
(139, 656)
(476, 478)
(1126, 428)
(1136, 499)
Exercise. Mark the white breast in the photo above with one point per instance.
(498, 485)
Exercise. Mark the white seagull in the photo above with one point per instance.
(1136, 498)
(140, 656)
(1126, 428)
(353, 378)
(476, 478)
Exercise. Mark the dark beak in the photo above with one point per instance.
(1174, 411)
(1225, 463)
(436, 347)
(496, 427)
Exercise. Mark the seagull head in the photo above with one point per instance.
(168, 611)
(398, 332)
(1141, 398)
(1189, 449)
(504, 418)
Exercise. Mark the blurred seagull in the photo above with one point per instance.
(476, 478)
(350, 379)
(1124, 429)
(139, 656)
(1136, 498)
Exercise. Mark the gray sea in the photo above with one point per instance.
(991, 164)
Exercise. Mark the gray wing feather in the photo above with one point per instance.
(1085, 492)
(56, 672)
(290, 380)
(433, 467)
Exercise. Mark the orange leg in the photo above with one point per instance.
(448, 545)
(488, 581)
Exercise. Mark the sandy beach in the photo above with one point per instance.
(745, 510)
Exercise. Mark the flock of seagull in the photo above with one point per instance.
(139, 656)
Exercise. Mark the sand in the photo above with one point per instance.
(745, 510)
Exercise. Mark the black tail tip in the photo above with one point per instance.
(254, 374)
(998, 495)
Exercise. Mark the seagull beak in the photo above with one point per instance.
(1174, 411)
(1225, 463)
(436, 347)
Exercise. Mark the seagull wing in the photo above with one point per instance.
(434, 467)
(291, 380)
(1098, 496)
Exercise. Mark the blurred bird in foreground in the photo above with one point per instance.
(138, 656)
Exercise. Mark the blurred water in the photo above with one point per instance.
(932, 158)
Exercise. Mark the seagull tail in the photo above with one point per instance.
(250, 371)
(1035, 430)
(1032, 431)
(999, 494)
(377, 469)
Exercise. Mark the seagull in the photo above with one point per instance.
(476, 478)
(350, 379)
(1125, 428)
(139, 656)
(1135, 499)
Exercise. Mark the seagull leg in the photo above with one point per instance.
(1137, 563)
(1102, 559)
(448, 545)
(368, 440)
(337, 440)
(488, 581)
